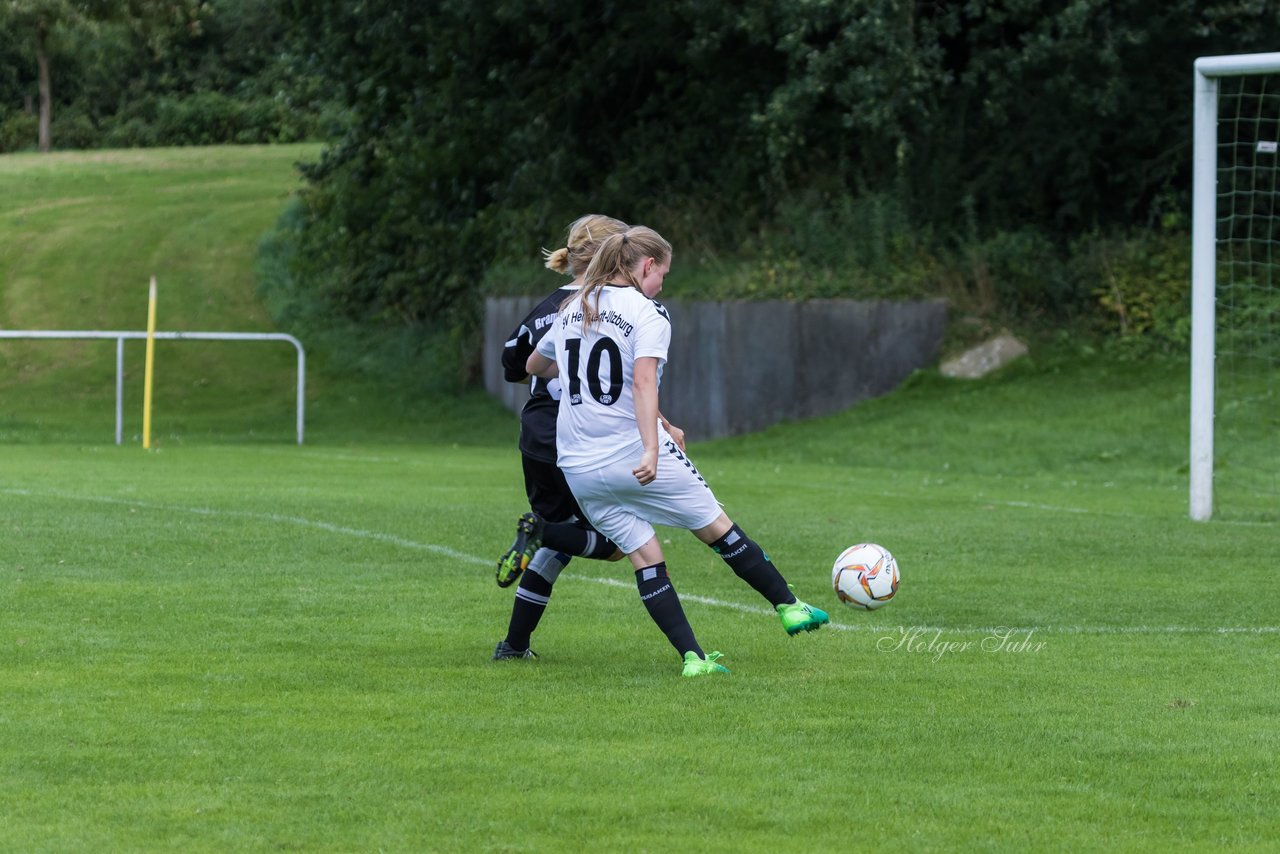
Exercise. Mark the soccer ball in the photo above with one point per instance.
(865, 576)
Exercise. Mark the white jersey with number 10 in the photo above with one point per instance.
(597, 420)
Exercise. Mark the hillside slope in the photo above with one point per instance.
(81, 233)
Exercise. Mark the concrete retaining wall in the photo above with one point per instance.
(737, 367)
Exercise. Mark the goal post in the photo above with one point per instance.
(1209, 71)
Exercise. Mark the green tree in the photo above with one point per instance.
(43, 21)
(472, 126)
(1069, 114)
(39, 19)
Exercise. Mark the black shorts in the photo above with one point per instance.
(549, 495)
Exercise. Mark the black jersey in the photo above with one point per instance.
(538, 418)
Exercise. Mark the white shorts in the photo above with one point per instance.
(625, 512)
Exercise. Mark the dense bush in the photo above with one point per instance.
(17, 131)
(74, 128)
(209, 118)
(1143, 288)
(404, 357)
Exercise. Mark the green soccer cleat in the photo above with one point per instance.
(504, 650)
(694, 666)
(516, 559)
(799, 617)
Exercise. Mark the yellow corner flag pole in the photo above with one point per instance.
(151, 353)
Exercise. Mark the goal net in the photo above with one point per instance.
(1235, 349)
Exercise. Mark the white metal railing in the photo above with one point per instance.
(120, 337)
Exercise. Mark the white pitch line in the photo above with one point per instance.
(445, 551)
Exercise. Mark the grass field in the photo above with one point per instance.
(273, 647)
(233, 643)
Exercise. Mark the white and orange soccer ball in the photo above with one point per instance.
(865, 576)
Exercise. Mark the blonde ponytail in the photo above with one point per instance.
(558, 260)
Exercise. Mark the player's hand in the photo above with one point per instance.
(676, 434)
(648, 468)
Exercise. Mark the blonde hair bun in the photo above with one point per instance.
(558, 260)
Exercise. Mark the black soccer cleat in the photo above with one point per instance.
(516, 559)
(504, 651)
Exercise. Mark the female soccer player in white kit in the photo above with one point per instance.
(608, 345)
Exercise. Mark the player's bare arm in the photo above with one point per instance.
(540, 366)
(645, 392)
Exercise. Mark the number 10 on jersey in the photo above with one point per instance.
(604, 347)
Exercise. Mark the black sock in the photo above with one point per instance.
(660, 598)
(573, 540)
(753, 566)
(532, 597)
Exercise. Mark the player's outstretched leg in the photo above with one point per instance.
(516, 559)
(750, 563)
(799, 617)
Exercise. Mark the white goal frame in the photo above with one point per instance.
(1204, 200)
